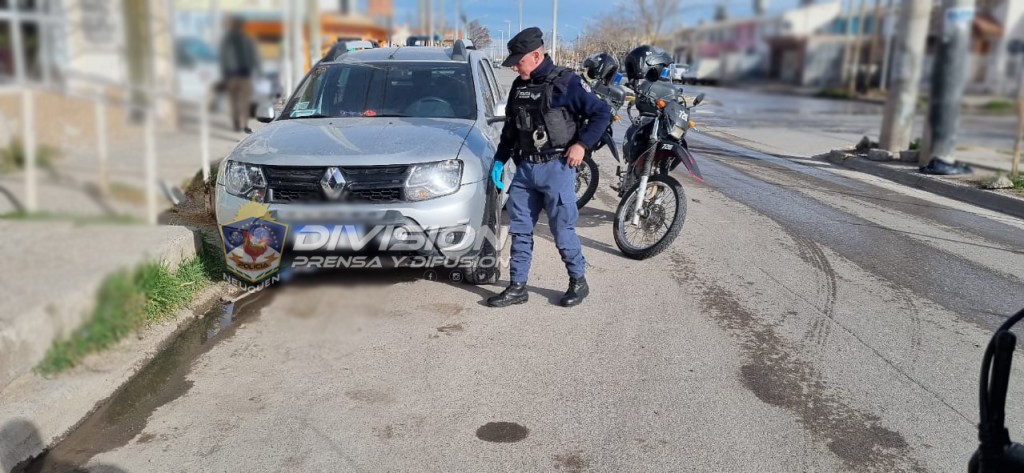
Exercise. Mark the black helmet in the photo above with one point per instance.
(601, 66)
(646, 62)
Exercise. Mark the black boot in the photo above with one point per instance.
(578, 290)
(515, 293)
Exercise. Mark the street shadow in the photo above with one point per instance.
(18, 207)
(591, 217)
(19, 437)
(542, 231)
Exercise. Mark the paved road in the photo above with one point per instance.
(807, 319)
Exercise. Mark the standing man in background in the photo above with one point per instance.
(239, 64)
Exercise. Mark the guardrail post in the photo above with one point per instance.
(102, 152)
(204, 134)
(29, 137)
(150, 162)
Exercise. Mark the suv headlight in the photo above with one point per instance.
(427, 181)
(244, 180)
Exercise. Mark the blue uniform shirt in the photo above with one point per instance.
(569, 94)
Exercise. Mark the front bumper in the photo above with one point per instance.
(448, 226)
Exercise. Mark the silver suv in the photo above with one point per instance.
(394, 146)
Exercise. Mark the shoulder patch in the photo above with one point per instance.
(585, 85)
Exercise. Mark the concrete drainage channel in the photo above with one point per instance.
(123, 415)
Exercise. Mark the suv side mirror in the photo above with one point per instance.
(499, 113)
(698, 99)
(265, 113)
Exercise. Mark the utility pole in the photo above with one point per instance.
(298, 55)
(856, 50)
(1016, 48)
(315, 39)
(949, 76)
(430, 22)
(847, 54)
(876, 36)
(890, 28)
(554, 31)
(520, 15)
(911, 33)
(289, 76)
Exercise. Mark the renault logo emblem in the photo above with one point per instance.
(333, 183)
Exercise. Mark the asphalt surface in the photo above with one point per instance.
(806, 319)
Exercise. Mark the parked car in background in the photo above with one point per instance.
(677, 72)
(197, 68)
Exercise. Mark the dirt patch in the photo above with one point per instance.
(571, 462)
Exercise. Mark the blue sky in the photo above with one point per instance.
(572, 14)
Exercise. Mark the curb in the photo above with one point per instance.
(989, 200)
(37, 413)
(25, 340)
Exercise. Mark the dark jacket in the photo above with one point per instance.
(238, 56)
(570, 93)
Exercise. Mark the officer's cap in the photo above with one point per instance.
(523, 43)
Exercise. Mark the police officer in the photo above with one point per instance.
(543, 136)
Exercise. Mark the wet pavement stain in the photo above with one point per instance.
(450, 329)
(371, 396)
(777, 376)
(123, 416)
(502, 432)
(572, 462)
(444, 308)
(780, 378)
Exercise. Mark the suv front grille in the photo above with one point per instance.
(366, 184)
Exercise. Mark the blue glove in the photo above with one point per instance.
(496, 172)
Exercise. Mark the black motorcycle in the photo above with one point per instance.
(652, 204)
(996, 453)
(587, 176)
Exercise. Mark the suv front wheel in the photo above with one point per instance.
(490, 271)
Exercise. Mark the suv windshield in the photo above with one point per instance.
(385, 89)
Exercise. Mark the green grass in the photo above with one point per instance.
(129, 300)
(13, 158)
(77, 219)
(998, 106)
(835, 93)
(1018, 182)
(916, 144)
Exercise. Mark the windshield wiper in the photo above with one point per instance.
(312, 115)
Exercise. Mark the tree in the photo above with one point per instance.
(480, 35)
(650, 16)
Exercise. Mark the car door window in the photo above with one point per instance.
(498, 92)
(486, 90)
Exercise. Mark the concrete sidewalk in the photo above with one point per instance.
(806, 144)
(52, 270)
(54, 265)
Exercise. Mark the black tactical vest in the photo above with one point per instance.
(536, 122)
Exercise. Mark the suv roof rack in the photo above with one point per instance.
(459, 52)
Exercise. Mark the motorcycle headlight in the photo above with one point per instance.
(244, 180)
(427, 181)
(677, 132)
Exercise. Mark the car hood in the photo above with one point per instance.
(354, 141)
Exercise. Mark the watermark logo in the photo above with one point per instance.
(254, 244)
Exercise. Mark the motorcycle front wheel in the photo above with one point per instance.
(661, 218)
(587, 179)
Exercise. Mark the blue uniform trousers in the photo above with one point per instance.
(549, 186)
